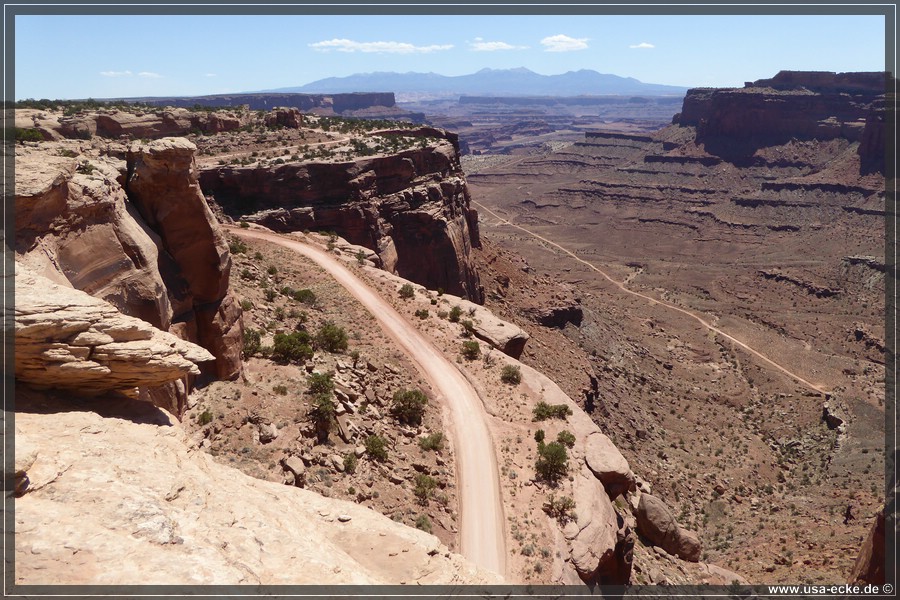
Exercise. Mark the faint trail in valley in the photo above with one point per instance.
(482, 524)
(652, 300)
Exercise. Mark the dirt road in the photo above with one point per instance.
(482, 523)
(701, 320)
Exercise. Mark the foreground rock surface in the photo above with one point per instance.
(177, 517)
(67, 339)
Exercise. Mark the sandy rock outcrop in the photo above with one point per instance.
(657, 524)
(505, 336)
(67, 339)
(175, 516)
(143, 123)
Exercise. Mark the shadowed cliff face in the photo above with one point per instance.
(412, 207)
(733, 123)
(153, 252)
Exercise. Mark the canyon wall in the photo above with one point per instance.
(412, 208)
(135, 232)
(792, 105)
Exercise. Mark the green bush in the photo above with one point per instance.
(28, 135)
(433, 441)
(543, 411)
(291, 347)
(407, 291)
(566, 438)
(350, 462)
(562, 509)
(376, 447)
(511, 374)
(320, 384)
(471, 350)
(409, 406)
(281, 390)
(246, 305)
(468, 328)
(552, 461)
(455, 314)
(252, 342)
(422, 313)
(539, 436)
(424, 487)
(360, 257)
(331, 338)
(423, 523)
(205, 418)
(306, 296)
(322, 413)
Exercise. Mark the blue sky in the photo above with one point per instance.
(116, 56)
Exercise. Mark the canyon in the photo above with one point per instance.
(722, 385)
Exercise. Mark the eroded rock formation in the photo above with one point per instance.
(67, 339)
(412, 207)
(153, 252)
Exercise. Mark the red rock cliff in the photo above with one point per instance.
(413, 207)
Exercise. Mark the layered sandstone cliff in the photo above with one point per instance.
(136, 233)
(799, 105)
(411, 207)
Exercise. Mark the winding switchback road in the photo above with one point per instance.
(482, 537)
(668, 305)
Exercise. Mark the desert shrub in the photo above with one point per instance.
(422, 313)
(566, 438)
(28, 135)
(455, 314)
(350, 462)
(279, 389)
(539, 436)
(407, 291)
(236, 246)
(272, 270)
(205, 418)
(543, 411)
(291, 347)
(270, 294)
(552, 461)
(246, 305)
(511, 374)
(320, 384)
(306, 296)
(423, 523)
(424, 487)
(322, 414)
(85, 168)
(331, 338)
(279, 313)
(471, 350)
(409, 406)
(257, 256)
(360, 257)
(468, 328)
(562, 509)
(433, 441)
(252, 342)
(244, 224)
(442, 314)
(376, 447)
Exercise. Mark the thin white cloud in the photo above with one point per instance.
(563, 43)
(343, 45)
(642, 45)
(149, 75)
(481, 46)
(116, 73)
(210, 75)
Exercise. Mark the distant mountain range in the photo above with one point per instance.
(488, 82)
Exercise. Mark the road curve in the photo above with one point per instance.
(482, 537)
(701, 320)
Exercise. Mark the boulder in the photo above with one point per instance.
(656, 523)
(608, 465)
(507, 337)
